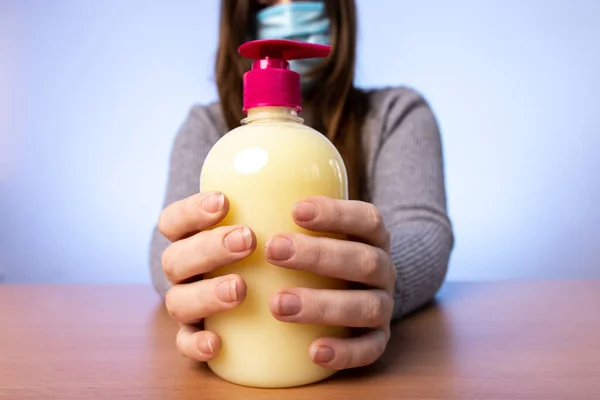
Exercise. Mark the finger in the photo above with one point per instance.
(191, 302)
(347, 217)
(343, 259)
(197, 345)
(207, 251)
(351, 308)
(338, 353)
(192, 214)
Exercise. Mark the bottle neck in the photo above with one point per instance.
(258, 114)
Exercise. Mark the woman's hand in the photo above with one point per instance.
(365, 260)
(196, 250)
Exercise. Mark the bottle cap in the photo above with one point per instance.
(270, 82)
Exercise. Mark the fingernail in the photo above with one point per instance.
(288, 304)
(280, 249)
(227, 291)
(304, 211)
(239, 240)
(322, 354)
(213, 203)
(206, 347)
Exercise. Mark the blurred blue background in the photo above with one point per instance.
(93, 92)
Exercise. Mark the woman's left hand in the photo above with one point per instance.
(365, 259)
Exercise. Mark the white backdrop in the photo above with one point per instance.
(92, 93)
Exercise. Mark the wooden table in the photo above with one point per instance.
(510, 340)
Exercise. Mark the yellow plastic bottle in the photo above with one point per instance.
(264, 166)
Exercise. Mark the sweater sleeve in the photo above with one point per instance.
(194, 140)
(408, 189)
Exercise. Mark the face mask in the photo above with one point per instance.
(305, 21)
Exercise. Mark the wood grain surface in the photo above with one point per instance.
(504, 340)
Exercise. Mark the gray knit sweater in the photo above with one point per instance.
(405, 181)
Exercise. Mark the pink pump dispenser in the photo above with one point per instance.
(264, 167)
(271, 82)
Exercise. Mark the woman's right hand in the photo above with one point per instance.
(195, 250)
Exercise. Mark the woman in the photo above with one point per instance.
(402, 237)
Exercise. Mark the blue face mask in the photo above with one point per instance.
(305, 21)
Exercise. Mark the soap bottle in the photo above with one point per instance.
(263, 167)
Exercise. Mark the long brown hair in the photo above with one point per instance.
(337, 108)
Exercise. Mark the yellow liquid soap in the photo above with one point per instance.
(264, 167)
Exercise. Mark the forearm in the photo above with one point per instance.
(420, 250)
(157, 246)
(194, 140)
(408, 189)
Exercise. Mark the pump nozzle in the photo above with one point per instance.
(270, 82)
